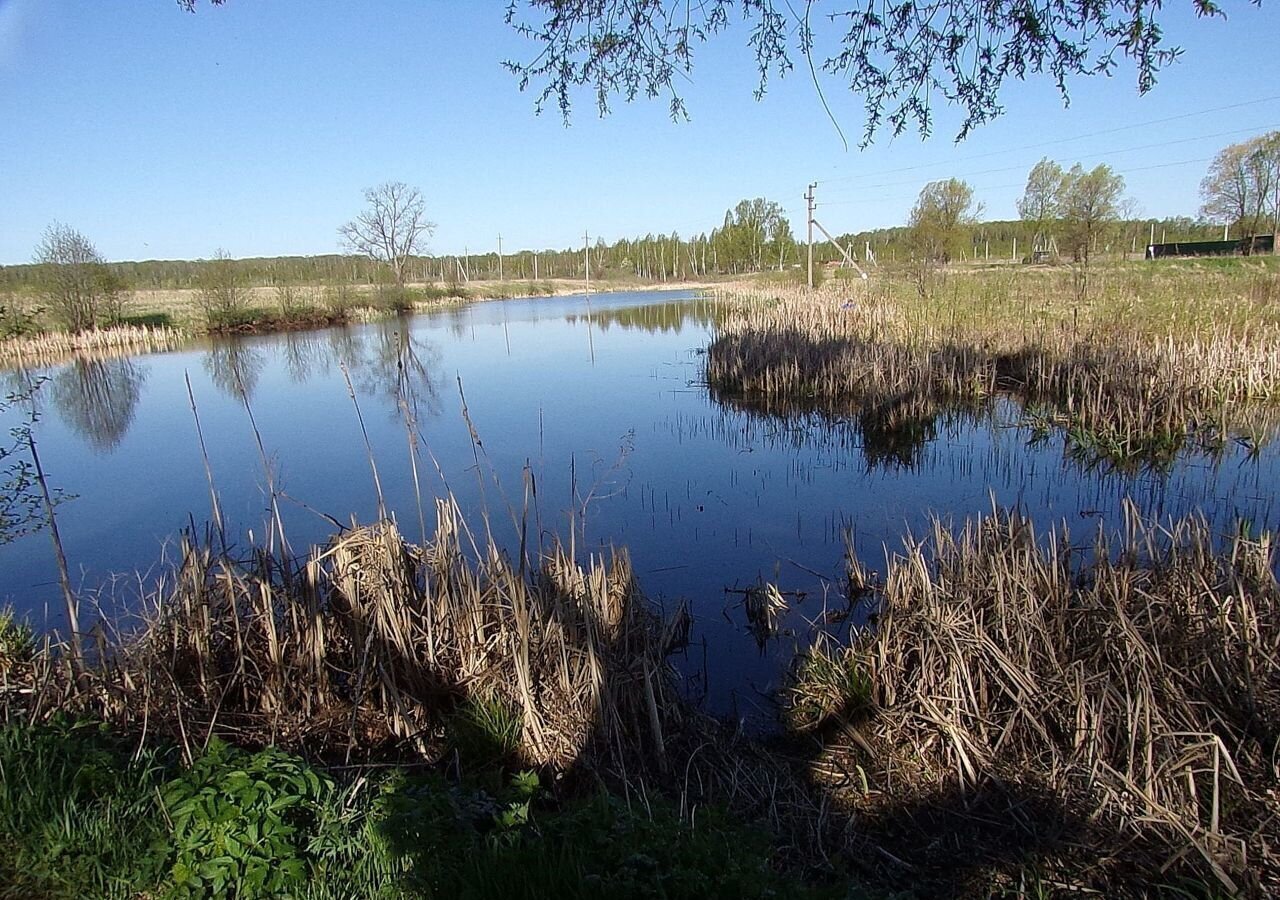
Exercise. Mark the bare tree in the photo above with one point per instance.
(75, 280)
(222, 294)
(1242, 185)
(392, 228)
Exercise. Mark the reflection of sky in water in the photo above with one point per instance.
(704, 496)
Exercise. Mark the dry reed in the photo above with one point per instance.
(1125, 709)
(372, 643)
(54, 347)
(1124, 387)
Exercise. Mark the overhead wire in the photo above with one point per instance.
(996, 187)
(1054, 142)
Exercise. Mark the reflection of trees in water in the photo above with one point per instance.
(385, 360)
(98, 398)
(652, 318)
(235, 366)
(892, 434)
(390, 361)
(305, 355)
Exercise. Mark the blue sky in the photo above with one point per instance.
(255, 126)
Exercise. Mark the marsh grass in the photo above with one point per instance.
(1155, 362)
(1103, 715)
(369, 642)
(1116, 704)
(51, 347)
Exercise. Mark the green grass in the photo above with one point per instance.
(79, 817)
(84, 813)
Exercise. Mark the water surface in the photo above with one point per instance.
(602, 401)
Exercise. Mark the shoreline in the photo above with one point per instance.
(56, 345)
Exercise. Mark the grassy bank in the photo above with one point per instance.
(1154, 358)
(1023, 718)
(86, 814)
(164, 319)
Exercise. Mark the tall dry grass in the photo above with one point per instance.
(1121, 700)
(370, 645)
(1129, 382)
(53, 347)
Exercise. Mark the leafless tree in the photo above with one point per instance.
(222, 294)
(392, 228)
(75, 281)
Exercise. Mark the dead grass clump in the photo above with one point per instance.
(54, 347)
(374, 643)
(1119, 389)
(1135, 695)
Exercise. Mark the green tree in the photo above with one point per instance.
(1242, 188)
(1038, 206)
(941, 219)
(754, 233)
(1089, 204)
(75, 281)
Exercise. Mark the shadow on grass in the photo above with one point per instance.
(148, 320)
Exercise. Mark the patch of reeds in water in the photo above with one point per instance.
(51, 348)
(1121, 389)
(1122, 702)
(371, 644)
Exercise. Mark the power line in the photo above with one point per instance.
(1051, 143)
(1202, 137)
(997, 187)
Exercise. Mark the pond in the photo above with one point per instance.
(601, 400)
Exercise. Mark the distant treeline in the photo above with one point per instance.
(754, 238)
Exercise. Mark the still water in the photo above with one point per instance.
(601, 400)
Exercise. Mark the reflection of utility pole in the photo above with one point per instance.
(499, 257)
(808, 196)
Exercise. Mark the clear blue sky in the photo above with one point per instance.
(254, 127)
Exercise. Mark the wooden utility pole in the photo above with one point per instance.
(499, 257)
(586, 250)
(535, 265)
(808, 196)
(1275, 223)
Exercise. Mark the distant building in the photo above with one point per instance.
(1262, 243)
